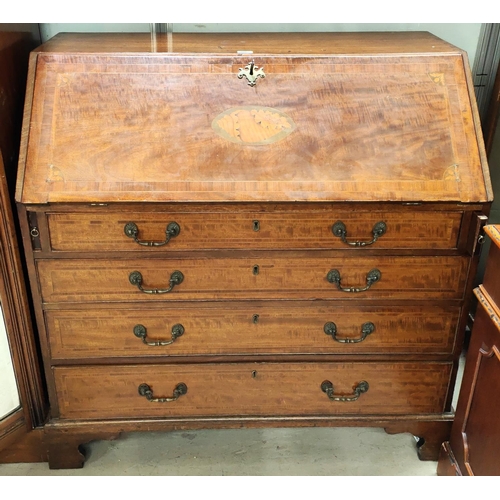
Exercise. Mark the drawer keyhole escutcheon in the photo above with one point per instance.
(251, 73)
(255, 319)
(141, 332)
(135, 278)
(340, 231)
(327, 388)
(146, 391)
(254, 374)
(131, 230)
(255, 270)
(372, 277)
(256, 225)
(330, 328)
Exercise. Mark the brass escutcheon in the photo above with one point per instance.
(251, 73)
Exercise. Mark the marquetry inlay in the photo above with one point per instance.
(253, 125)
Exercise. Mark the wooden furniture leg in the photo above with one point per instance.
(64, 449)
(431, 436)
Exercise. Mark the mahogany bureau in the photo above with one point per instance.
(227, 230)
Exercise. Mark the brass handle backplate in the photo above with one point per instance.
(135, 278)
(146, 391)
(339, 229)
(131, 230)
(360, 388)
(330, 328)
(372, 277)
(141, 332)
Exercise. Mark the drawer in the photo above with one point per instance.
(251, 328)
(68, 280)
(101, 392)
(118, 231)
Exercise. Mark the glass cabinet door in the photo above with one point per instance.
(9, 395)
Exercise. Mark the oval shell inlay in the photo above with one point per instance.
(253, 125)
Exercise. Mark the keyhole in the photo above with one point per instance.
(251, 68)
(254, 374)
(255, 319)
(255, 270)
(256, 225)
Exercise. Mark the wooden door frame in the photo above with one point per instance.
(20, 334)
(20, 431)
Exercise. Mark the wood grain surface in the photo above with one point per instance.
(264, 43)
(251, 389)
(474, 442)
(344, 127)
(103, 231)
(251, 328)
(380, 128)
(491, 283)
(85, 280)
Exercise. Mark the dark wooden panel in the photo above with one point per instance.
(475, 435)
(481, 428)
(22, 345)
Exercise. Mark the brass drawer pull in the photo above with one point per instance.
(327, 388)
(141, 332)
(147, 392)
(131, 230)
(372, 277)
(330, 328)
(176, 278)
(339, 230)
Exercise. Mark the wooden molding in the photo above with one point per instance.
(14, 49)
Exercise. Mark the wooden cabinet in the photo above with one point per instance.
(23, 405)
(474, 445)
(280, 237)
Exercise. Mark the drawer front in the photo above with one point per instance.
(65, 280)
(103, 232)
(100, 392)
(251, 328)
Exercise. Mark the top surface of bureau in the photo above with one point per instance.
(333, 117)
(491, 283)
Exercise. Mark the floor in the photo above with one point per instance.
(247, 452)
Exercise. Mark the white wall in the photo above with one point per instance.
(463, 35)
(9, 396)
(49, 30)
